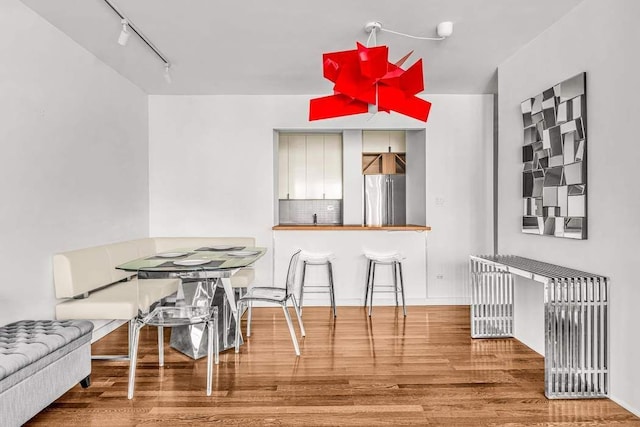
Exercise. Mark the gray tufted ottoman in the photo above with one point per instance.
(40, 360)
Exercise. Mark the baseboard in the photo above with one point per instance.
(626, 405)
(442, 301)
(355, 302)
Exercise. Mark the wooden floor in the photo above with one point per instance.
(387, 370)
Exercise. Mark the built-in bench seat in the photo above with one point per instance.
(94, 289)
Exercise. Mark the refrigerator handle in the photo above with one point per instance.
(391, 202)
(387, 205)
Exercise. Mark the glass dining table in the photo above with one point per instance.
(198, 268)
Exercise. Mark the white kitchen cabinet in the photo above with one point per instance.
(379, 141)
(297, 167)
(315, 167)
(333, 166)
(310, 166)
(283, 166)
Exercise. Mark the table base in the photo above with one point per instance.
(192, 340)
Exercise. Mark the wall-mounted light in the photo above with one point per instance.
(127, 28)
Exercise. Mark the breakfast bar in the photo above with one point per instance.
(348, 243)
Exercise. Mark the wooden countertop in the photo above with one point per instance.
(352, 227)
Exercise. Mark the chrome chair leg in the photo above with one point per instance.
(404, 305)
(304, 273)
(249, 311)
(331, 290)
(216, 343)
(298, 310)
(291, 330)
(226, 321)
(238, 332)
(231, 317)
(132, 326)
(210, 338)
(134, 357)
(366, 291)
(373, 281)
(160, 346)
(394, 267)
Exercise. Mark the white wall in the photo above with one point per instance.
(73, 164)
(416, 174)
(609, 56)
(352, 183)
(211, 172)
(459, 192)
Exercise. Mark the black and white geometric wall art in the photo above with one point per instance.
(554, 154)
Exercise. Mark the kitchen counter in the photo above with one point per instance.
(351, 227)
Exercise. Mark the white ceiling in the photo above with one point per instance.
(275, 47)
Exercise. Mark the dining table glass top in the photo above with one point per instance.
(197, 259)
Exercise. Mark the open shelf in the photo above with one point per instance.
(383, 163)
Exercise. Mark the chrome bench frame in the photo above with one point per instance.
(576, 315)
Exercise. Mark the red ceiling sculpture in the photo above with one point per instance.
(364, 77)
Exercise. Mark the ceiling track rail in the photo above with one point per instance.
(139, 33)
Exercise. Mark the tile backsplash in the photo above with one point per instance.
(302, 211)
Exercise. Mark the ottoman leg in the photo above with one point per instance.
(86, 381)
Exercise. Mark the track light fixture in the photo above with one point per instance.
(167, 74)
(127, 28)
(124, 34)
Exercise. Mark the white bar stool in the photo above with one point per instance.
(317, 259)
(393, 259)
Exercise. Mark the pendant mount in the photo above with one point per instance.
(372, 26)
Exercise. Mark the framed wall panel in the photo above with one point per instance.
(554, 157)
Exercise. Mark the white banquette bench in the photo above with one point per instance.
(93, 289)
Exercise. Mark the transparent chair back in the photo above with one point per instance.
(193, 306)
(277, 295)
(292, 284)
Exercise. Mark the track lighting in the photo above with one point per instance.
(167, 74)
(127, 28)
(124, 34)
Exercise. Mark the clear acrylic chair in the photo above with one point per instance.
(275, 295)
(152, 314)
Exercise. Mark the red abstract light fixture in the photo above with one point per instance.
(364, 77)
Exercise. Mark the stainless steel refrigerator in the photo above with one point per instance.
(385, 200)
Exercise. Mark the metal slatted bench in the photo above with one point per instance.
(575, 315)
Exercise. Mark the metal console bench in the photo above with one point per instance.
(575, 315)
